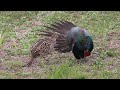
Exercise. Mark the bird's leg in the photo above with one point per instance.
(85, 59)
(77, 61)
(82, 60)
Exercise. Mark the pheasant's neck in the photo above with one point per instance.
(86, 33)
(90, 43)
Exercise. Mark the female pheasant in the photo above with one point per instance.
(42, 48)
(71, 38)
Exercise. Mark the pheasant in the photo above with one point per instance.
(63, 36)
(70, 38)
(42, 48)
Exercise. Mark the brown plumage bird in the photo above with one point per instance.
(63, 36)
(42, 48)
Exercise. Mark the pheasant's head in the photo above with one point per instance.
(88, 47)
(86, 53)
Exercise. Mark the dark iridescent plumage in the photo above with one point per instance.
(70, 38)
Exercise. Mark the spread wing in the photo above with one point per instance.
(62, 28)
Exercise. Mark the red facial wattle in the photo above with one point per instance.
(86, 53)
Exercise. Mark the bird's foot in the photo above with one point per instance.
(77, 61)
(82, 60)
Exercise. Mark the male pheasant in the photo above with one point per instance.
(71, 38)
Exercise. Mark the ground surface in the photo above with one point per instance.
(18, 33)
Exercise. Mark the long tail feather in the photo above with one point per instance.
(61, 28)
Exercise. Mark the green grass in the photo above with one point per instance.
(65, 71)
(1, 38)
(19, 31)
(113, 53)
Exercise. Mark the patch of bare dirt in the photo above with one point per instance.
(2, 54)
(20, 58)
(35, 23)
(21, 33)
(11, 43)
(113, 35)
(114, 40)
(114, 44)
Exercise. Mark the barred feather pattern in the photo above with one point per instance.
(42, 48)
